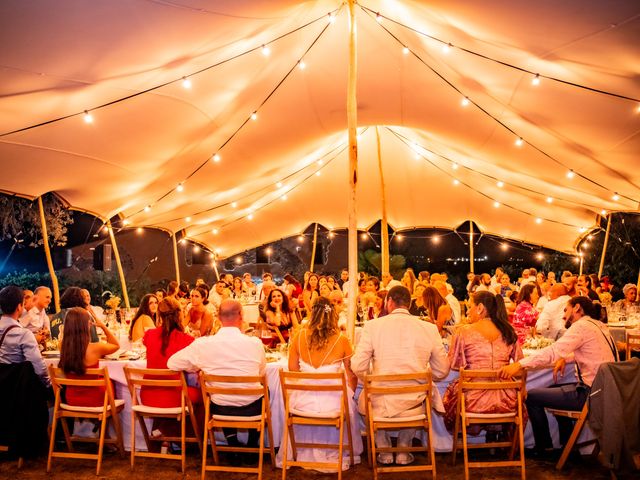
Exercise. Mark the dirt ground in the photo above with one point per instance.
(117, 468)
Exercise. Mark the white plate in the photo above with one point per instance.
(51, 353)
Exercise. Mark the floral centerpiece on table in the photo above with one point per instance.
(537, 343)
(52, 344)
(605, 299)
(113, 303)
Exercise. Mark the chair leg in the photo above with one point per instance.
(465, 450)
(103, 429)
(67, 434)
(456, 431)
(115, 418)
(183, 440)
(285, 446)
(352, 461)
(204, 452)
(340, 434)
(432, 449)
(133, 439)
(514, 440)
(261, 449)
(52, 441)
(272, 450)
(572, 440)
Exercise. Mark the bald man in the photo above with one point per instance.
(36, 319)
(550, 323)
(228, 352)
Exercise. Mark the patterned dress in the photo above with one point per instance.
(524, 319)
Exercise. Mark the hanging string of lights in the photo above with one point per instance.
(536, 77)
(299, 64)
(466, 100)
(185, 79)
(496, 203)
(501, 183)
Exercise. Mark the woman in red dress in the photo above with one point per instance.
(77, 353)
(161, 343)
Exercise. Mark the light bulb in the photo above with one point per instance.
(266, 51)
(318, 173)
(238, 260)
(283, 197)
(216, 158)
(302, 65)
(332, 18)
(496, 204)
(250, 216)
(279, 185)
(186, 83)
(300, 238)
(147, 208)
(126, 222)
(582, 229)
(399, 237)
(615, 197)
(196, 248)
(234, 204)
(539, 256)
(535, 81)
(454, 166)
(549, 199)
(538, 220)
(254, 116)
(405, 50)
(331, 234)
(363, 236)
(180, 187)
(320, 162)
(378, 18)
(88, 118)
(500, 184)
(435, 239)
(182, 241)
(215, 231)
(519, 142)
(446, 48)
(456, 182)
(571, 174)
(188, 219)
(603, 212)
(139, 230)
(504, 246)
(465, 101)
(211, 255)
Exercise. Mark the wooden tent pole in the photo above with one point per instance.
(313, 248)
(47, 252)
(604, 246)
(471, 247)
(215, 266)
(116, 253)
(638, 286)
(384, 226)
(175, 257)
(352, 127)
(581, 264)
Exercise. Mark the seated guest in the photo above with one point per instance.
(172, 289)
(624, 305)
(388, 281)
(408, 279)
(373, 284)
(496, 279)
(453, 302)
(238, 291)
(438, 310)
(228, 352)
(18, 344)
(72, 297)
(423, 277)
(36, 318)
(485, 283)
(324, 290)
(199, 320)
(292, 287)
(585, 288)
(146, 317)
(589, 342)
(569, 281)
(77, 353)
(162, 343)
(218, 294)
(310, 292)
(506, 287)
(93, 311)
(526, 315)
(279, 314)
(160, 294)
(417, 302)
(266, 277)
(398, 343)
(550, 323)
(337, 301)
(248, 286)
(487, 343)
(27, 303)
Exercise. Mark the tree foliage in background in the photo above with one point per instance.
(20, 220)
(370, 261)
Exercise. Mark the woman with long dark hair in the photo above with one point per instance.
(526, 315)
(78, 352)
(199, 320)
(146, 317)
(438, 309)
(310, 292)
(488, 343)
(279, 313)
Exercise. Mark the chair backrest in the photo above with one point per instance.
(230, 385)
(397, 384)
(487, 380)
(153, 377)
(59, 379)
(633, 342)
(314, 382)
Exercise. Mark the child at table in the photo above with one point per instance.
(78, 353)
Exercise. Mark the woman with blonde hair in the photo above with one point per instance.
(438, 309)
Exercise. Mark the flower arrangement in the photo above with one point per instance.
(536, 343)
(113, 303)
(605, 298)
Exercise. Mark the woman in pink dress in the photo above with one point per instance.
(526, 315)
(488, 343)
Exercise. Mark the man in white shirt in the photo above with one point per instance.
(485, 283)
(37, 319)
(228, 352)
(399, 343)
(550, 323)
(388, 282)
(495, 280)
(218, 293)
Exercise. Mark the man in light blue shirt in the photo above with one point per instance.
(17, 344)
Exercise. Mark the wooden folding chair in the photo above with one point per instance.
(315, 382)
(61, 411)
(229, 385)
(489, 380)
(148, 377)
(417, 384)
(581, 417)
(633, 344)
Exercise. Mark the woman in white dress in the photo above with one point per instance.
(321, 347)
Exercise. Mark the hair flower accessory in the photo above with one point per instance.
(327, 309)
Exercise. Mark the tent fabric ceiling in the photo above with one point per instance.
(66, 57)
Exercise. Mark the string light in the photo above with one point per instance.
(238, 260)
(435, 239)
(234, 204)
(250, 216)
(465, 101)
(186, 83)
(615, 197)
(320, 162)
(539, 256)
(456, 182)
(455, 166)
(535, 81)
(399, 237)
(188, 219)
(300, 238)
(254, 116)
(279, 185)
(105, 229)
(318, 173)
(405, 50)
(603, 212)
(378, 18)
(538, 220)
(519, 142)
(331, 234)
(126, 221)
(446, 48)
(196, 248)
(180, 187)
(302, 65)
(571, 174)
(139, 230)
(211, 255)
(182, 241)
(549, 199)
(332, 17)
(216, 158)
(504, 246)
(88, 118)
(582, 229)
(496, 204)
(283, 197)
(215, 231)
(266, 51)
(363, 236)
(500, 184)
(147, 208)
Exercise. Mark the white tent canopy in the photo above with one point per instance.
(62, 58)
